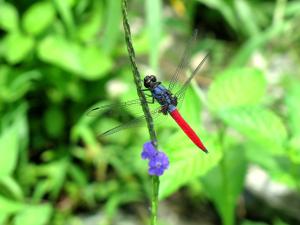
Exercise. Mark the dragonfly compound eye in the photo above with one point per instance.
(147, 81)
(153, 78)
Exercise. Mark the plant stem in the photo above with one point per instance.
(154, 200)
(149, 120)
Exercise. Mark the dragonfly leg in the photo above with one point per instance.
(164, 109)
(152, 101)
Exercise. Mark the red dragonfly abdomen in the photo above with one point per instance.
(187, 129)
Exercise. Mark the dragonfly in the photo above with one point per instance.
(167, 99)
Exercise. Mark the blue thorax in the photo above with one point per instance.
(161, 94)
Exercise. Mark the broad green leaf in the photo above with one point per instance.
(8, 17)
(8, 150)
(87, 62)
(225, 182)
(154, 23)
(8, 206)
(259, 125)
(16, 47)
(38, 17)
(40, 214)
(293, 107)
(236, 87)
(3, 217)
(187, 161)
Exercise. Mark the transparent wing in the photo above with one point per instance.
(181, 92)
(100, 108)
(137, 122)
(183, 62)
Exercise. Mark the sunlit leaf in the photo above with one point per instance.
(87, 62)
(40, 214)
(8, 206)
(38, 17)
(187, 161)
(12, 187)
(259, 125)
(8, 17)
(236, 87)
(8, 150)
(16, 47)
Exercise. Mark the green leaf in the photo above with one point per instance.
(87, 62)
(65, 12)
(16, 47)
(8, 206)
(38, 17)
(236, 87)
(12, 187)
(187, 162)
(8, 17)
(40, 214)
(225, 182)
(8, 150)
(259, 125)
(13, 85)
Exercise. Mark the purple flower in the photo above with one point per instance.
(158, 161)
(148, 151)
(158, 164)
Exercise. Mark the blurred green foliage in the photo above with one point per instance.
(57, 58)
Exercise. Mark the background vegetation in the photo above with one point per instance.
(58, 58)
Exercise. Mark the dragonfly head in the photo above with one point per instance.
(150, 81)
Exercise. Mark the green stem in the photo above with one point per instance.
(149, 120)
(154, 200)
